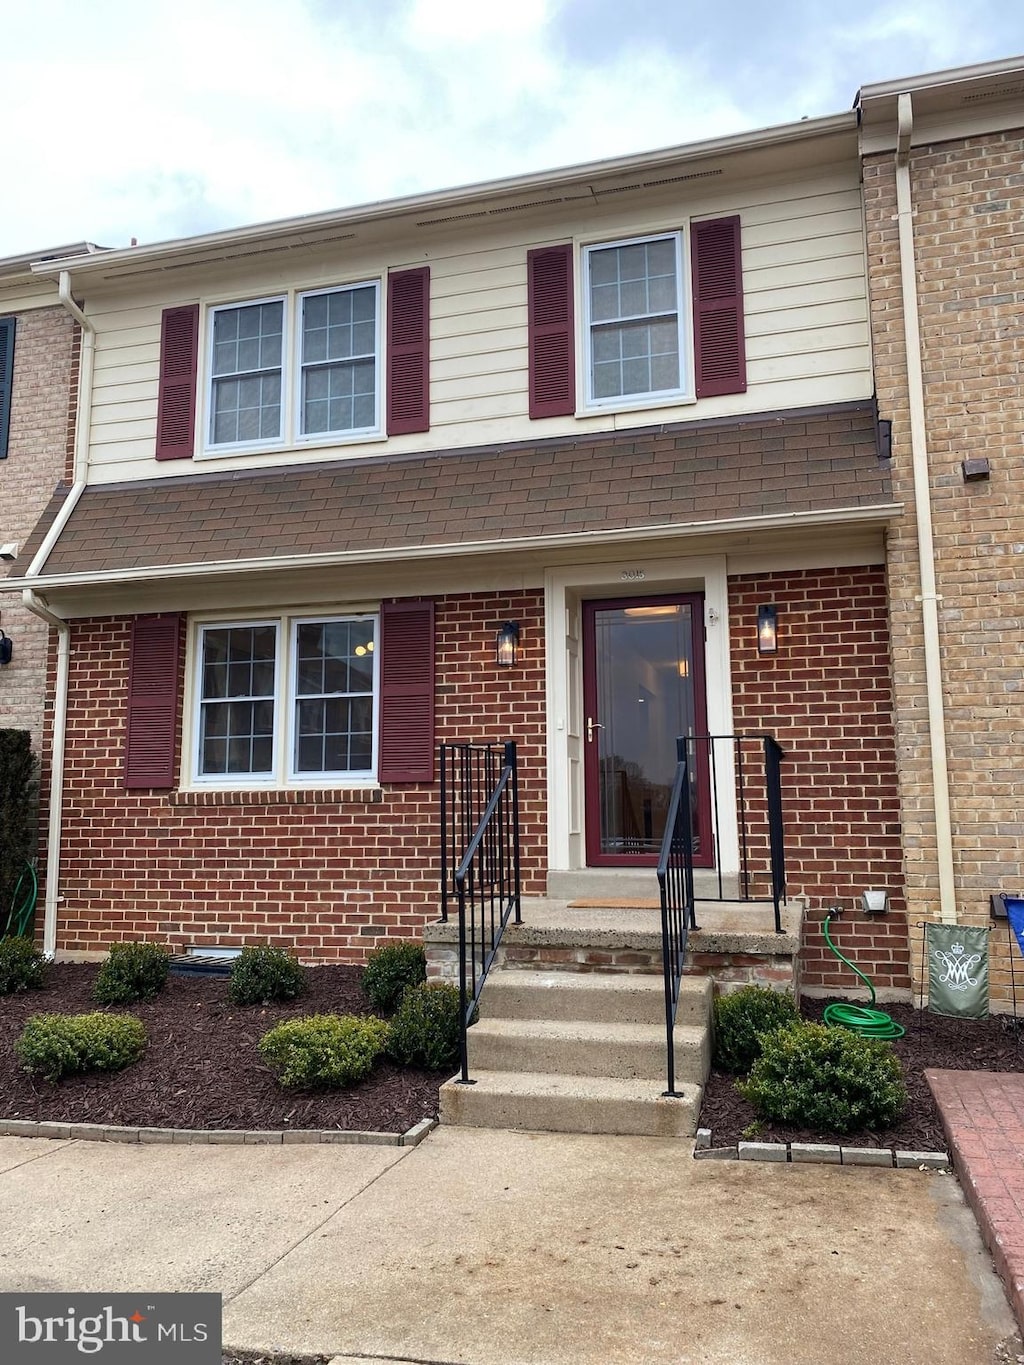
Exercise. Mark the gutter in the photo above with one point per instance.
(38, 605)
(929, 597)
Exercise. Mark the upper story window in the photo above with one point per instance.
(633, 342)
(264, 387)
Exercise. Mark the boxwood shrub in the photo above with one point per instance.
(21, 966)
(264, 976)
(741, 1018)
(390, 971)
(826, 1078)
(425, 1028)
(130, 972)
(56, 1045)
(324, 1049)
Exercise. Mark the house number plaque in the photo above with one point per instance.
(632, 575)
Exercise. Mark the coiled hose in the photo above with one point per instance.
(867, 1022)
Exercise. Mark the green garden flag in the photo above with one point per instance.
(957, 970)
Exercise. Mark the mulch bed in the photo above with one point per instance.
(201, 1068)
(931, 1040)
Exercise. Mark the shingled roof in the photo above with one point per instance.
(721, 470)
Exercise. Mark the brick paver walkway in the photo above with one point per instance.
(983, 1115)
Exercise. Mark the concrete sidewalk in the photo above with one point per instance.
(495, 1248)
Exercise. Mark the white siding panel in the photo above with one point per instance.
(805, 297)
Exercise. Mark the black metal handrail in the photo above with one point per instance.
(675, 881)
(758, 814)
(486, 879)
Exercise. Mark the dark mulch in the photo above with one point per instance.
(201, 1068)
(993, 1044)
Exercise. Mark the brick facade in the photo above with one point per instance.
(827, 697)
(39, 453)
(332, 875)
(968, 201)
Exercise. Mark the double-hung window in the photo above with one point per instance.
(635, 319)
(306, 366)
(286, 700)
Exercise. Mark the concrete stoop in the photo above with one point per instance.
(562, 1052)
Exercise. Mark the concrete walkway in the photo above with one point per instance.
(495, 1248)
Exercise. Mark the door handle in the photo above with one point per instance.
(592, 725)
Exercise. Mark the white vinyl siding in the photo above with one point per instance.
(805, 306)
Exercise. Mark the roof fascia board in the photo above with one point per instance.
(161, 253)
(954, 76)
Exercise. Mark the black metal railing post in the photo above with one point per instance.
(773, 756)
(480, 862)
(675, 883)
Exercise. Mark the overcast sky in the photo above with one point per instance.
(155, 120)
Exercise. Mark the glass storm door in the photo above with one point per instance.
(643, 685)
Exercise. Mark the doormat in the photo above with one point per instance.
(619, 903)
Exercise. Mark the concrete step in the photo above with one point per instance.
(609, 997)
(581, 1048)
(629, 883)
(550, 1102)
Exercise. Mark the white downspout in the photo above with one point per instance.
(929, 598)
(37, 604)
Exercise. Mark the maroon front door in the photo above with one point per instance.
(643, 685)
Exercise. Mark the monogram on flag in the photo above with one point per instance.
(957, 970)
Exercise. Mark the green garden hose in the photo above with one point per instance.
(868, 1022)
(19, 918)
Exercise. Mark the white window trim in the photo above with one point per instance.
(353, 433)
(282, 777)
(231, 447)
(685, 393)
(291, 437)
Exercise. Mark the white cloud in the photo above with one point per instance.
(164, 119)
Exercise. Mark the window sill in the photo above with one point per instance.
(339, 440)
(279, 796)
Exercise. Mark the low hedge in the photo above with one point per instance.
(21, 967)
(324, 1050)
(56, 1045)
(742, 1018)
(389, 972)
(130, 972)
(425, 1029)
(265, 976)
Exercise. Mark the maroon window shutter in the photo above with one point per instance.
(153, 683)
(409, 351)
(406, 692)
(179, 363)
(719, 351)
(552, 343)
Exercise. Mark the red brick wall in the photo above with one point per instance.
(827, 697)
(331, 875)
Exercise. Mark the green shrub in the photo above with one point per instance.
(741, 1018)
(324, 1049)
(130, 972)
(826, 1078)
(265, 975)
(18, 804)
(56, 1045)
(425, 1030)
(21, 967)
(390, 970)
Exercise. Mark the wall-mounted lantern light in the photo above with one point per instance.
(767, 630)
(6, 649)
(507, 645)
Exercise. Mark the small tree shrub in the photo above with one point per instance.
(18, 799)
(425, 1030)
(56, 1045)
(131, 971)
(324, 1049)
(390, 970)
(21, 967)
(826, 1078)
(264, 976)
(742, 1018)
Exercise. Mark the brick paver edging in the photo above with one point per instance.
(821, 1152)
(109, 1132)
(983, 1115)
